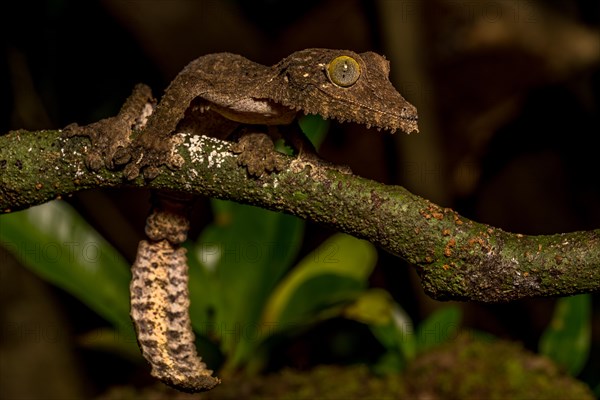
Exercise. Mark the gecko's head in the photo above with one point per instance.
(345, 86)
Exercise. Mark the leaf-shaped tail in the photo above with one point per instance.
(160, 301)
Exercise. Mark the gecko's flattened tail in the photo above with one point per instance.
(159, 309)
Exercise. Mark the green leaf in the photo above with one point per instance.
(57, 244)
(234, 267)
(315, 128)
(372, 307)
(389, 323)
(314, 295)
(567, 338)
(336, 271)
(438, 328)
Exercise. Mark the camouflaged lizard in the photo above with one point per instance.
(225, 95)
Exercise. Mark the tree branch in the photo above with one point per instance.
(456, 258)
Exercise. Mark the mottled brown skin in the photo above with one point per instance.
(219, 95)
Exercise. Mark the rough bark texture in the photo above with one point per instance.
(456, 258)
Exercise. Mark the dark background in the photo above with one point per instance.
(508, 94)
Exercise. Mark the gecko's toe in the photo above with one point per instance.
(150, 172)
(122, 156)
(131, 171)
(94, 161)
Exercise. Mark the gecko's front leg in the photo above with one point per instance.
(111, 137)
(160, 299)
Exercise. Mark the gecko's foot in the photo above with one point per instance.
(108, 136)
(257, 153)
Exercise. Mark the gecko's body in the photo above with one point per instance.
(215, 95)
(251, 93)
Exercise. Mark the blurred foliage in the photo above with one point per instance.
(238, 280)
(567, 340)
(56, 243)
(393, 328)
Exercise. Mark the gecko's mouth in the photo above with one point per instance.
(380, 119)
(374, 107)
(371, 117)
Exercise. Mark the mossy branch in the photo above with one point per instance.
(456, 258)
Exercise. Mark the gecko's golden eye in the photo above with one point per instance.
(343, 71)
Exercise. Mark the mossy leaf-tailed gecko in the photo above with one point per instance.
(219, 95)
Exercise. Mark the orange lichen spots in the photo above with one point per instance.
(457, 220)
(434, 211)
(438, 215)
(448, 249)
(483, 243)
